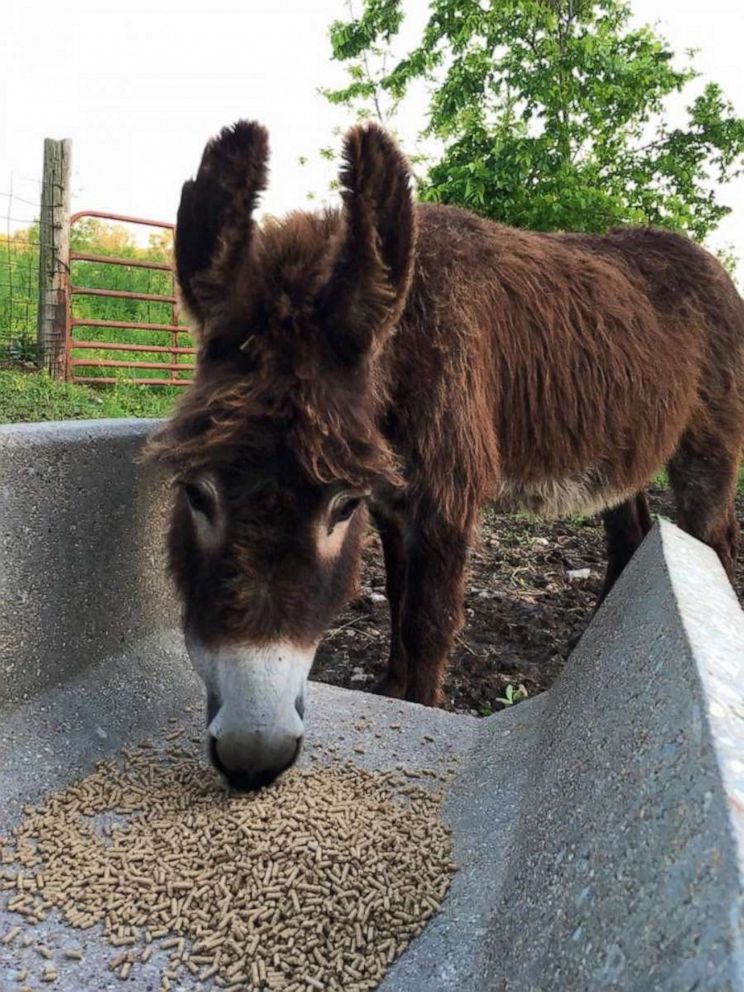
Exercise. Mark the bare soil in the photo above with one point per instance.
(524, 608)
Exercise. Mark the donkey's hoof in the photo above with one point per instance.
(388, 686)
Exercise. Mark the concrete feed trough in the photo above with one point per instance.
(599, 828)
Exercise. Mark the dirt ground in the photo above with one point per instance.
(523, 609)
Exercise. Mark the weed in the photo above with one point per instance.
(513, 695)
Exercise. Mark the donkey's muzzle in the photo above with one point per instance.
(255, 707)
(246, 767)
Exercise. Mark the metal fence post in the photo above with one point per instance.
(54, 256)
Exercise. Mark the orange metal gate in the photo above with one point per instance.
(78, 350)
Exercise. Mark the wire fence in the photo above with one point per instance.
(19, 269)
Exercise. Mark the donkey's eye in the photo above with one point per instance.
(201, 499)
(343, 509)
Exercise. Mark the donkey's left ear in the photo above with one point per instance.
(215, 227)
(371, 275)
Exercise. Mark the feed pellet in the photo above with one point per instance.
(316, 883)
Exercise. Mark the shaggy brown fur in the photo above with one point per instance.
(435, 361)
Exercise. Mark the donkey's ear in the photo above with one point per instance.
(371, 275)
(214, 228)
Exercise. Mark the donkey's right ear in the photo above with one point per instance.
(214, 229)
(370, 278)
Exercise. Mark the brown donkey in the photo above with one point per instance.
(414, 362)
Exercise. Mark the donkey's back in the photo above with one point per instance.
(559, 373)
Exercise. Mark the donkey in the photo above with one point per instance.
(411, 362)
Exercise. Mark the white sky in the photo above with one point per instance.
(139, 86)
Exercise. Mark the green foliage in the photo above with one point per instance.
(35, 396)
(512, 695)
(553, 113)
(363, 43)
(364, 93)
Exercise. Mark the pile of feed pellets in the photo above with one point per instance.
(317, 882)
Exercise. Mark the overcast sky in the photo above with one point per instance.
(139, 86)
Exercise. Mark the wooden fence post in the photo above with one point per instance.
(54, 256)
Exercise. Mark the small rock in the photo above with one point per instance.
(100, 732)
(377, 597)
(577, 574)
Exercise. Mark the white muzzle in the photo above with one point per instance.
(256, 706)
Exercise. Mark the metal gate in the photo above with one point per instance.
(167, 345)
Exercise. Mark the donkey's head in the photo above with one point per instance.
(276, 446)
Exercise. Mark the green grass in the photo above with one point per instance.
(27, 397)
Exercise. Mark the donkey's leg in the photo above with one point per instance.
(625, 526)
(703, 473)
(436, 555)
(395, 680)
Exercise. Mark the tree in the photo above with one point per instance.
(553, 114)
(369, 67)
(364, 94)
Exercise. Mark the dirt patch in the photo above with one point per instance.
(523, 609)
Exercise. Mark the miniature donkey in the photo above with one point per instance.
(412, 362)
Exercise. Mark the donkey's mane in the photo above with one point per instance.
(240, 419)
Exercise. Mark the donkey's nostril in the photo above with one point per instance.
(250, 781)
(300, 706)
(253, 772)
(213, 705)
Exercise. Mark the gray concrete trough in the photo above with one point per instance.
(598, 829)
